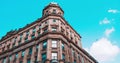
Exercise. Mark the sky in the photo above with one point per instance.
(97, 21)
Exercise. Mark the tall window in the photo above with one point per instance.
(46, 12)
(16, 56)
(28, 60)
(21, 61)
(79, 57)
(33, 33)
(74, 61)
(10, 57)
(82, 59)
(4, 60)
(73, 52)
(45, 44)
(30, 50)
(54, 55)
(54, 43)
(27, 34)
(63, 46)
(37, 47)
(13, 44)
(20, 39)
(44, 57)
(23, 53)
(63, 56)
(15, 39)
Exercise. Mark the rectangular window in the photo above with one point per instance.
(15, 39)
(54, 43)
(28, 60)
(30, 50)
(33, 36)
(36, 59)
(13, 44)
(79, 57)
(82, 59)
(45, 44)
(10, 57)
(54, 29)
(37, 47)
(54, 11)
(54, 56)
(44, 57)
(63, 46)
(73, 53)
(26, 38)
(21, 61)
(33, 33)
(34, 30)
(4, 60)
(54, 20)
(40, 26)
(46, 22)
(39, 33)
(45, 30)
(16, 56)
(21, 35)
(23, 53)
(27, 33)
(74, 61)
(63, 56)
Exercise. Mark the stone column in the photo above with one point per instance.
(25, 57)
(33, 54)
(39, 53)
(48, 50)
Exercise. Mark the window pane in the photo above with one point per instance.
(54, 55)
(30, 50)
(10, 57)
(28, 61)
(4, 60)
(63, 56)
(82, 59)
(23, 53)
(54, 29)
(44, 57)
(44, 44)
(62, 46)
(54, 43)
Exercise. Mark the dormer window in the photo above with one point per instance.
(46, 13)
(54, 11)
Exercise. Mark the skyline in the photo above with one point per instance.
(96, 22)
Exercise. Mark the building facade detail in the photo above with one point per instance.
(49, 39)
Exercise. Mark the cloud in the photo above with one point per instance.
(109, 31)
(113, 11)
(103, 50)
(105, 21)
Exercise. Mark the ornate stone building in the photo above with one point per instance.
(49, 39)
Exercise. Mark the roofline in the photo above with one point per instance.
(53, 5)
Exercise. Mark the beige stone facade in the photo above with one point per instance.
(49, 39)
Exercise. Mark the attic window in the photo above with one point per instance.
(54, 11)
(46, 12)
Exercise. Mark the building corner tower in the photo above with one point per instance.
(49, 39)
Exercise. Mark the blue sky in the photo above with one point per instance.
(98, 22)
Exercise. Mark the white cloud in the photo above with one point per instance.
(105, 21)
(103, 50)
(109, 31)
(113, 11)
